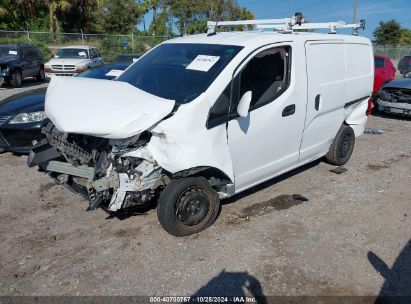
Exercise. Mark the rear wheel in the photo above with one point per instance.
(16, 79)
(342, 147)
(187, 206)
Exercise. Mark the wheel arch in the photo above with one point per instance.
(215, 176)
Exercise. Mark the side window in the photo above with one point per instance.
(25, 53)
(93, 54)
(32, 52)
(379, 63)
(98, 53)
(266, 76)
(219, 112)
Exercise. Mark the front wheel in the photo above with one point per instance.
(187, 206)
(342, 147)
(41, 76)
(16, 79)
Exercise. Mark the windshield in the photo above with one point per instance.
(126, 58)
(8, 51)
(108, 72)
(72, 53)
(178, 71)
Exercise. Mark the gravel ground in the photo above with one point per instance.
(310, 232)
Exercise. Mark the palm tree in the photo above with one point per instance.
(56, 6)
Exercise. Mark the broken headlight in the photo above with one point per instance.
(28, 117)
(384, 95)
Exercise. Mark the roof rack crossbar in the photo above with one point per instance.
(287, 25)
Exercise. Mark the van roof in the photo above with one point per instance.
(258, 38)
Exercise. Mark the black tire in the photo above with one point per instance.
(16, 79)
(187, 206)
(41, 76)
(342, 147)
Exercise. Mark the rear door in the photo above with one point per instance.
(326, 96)
(35, 61)
(26, 64)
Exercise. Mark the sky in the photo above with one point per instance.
(373, 11)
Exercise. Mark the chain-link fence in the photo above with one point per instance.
(108, 45)
(393, 52)
(113, 45)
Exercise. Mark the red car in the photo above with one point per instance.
(384, 72)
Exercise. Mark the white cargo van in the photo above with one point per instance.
(201, 118)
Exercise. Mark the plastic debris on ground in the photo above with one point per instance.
(339, 170)
(373, 131)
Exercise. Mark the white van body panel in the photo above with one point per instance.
(338, 84)
(182, 142)
(247, 150)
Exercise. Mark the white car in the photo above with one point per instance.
(201, 118)
(71, 60)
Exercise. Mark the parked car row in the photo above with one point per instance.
(20, 61)
(389, 95)
(404, 66)
(22, 115)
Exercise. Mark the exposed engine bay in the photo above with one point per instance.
(396, 95)
(99, 169)
(395, 100)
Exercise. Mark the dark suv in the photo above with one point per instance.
(19, 61)
(404, 66)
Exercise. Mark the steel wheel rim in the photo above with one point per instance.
(192, 207)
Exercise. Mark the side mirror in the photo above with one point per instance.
(244, 104)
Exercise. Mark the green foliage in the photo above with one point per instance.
(388, 33)
(120, 16)
(111, 47)
(405, 37)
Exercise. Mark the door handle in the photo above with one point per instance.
(317, 102)
(289, 110)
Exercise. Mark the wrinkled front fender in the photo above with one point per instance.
(183, 141)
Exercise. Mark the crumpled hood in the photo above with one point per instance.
(103, 108)
(70, 61)
(400, 84)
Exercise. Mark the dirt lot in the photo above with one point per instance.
(311, 232)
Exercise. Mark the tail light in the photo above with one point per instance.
(370, 102)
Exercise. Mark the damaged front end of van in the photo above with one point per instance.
(107, 143)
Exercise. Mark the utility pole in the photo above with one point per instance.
(354, 17)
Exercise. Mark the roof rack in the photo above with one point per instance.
(287, 25)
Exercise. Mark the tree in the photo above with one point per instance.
(405, 37)
(55, 7)
(388, 33)
(191, 16)
(120, 16)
